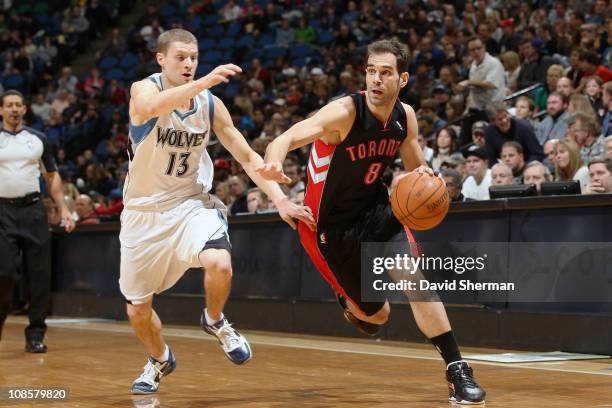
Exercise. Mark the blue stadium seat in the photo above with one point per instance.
(132, 74)
(129, 60)
(211, 57)
(233, 30)
(246, 41)
(276, 52)
(232, 90)
(108, 63)
(114, 73)
(167, 10)
(298, 62)
(315, 23)
(300, 51)
(206, 44)
(204, 69)
(325, 37)
(265, 40)
(228, 55)
(14, 81)
(211, 19)
(215, 31)
(226, 43)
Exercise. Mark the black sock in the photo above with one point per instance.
(447, 347)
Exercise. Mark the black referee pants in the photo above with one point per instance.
(24, 231)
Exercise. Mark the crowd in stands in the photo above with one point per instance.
(469, 59)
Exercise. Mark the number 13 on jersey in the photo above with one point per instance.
(183, 164)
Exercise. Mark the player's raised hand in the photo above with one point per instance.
(273, 171)
(220, 74)
(290, 211)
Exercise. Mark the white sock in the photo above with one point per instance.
(165, 356)
(209, 320)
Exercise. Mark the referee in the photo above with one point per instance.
(23, 218)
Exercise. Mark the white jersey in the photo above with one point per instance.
(169, 161)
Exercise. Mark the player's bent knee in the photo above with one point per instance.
(217, 262)
(139, 312)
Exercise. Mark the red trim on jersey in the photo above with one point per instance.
(312, 199)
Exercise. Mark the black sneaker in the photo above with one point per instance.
(462, 388)
(369, 329)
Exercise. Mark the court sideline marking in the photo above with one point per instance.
(335, 346)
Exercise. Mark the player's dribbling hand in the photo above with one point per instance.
(290, 211)
(220, 74)
(273, 171)
(424, 170)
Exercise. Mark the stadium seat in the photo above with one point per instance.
(167, 10)
(215, 32)
(206, 44)
(14, 81)
(128, 61)
(211, 20)
(115, 73)
(246, 41)
(325, 37)
(300, 51)
(107, 63)
(276, 52)
(211, 57)
(265, 40)
(233, 30)
(226, 43)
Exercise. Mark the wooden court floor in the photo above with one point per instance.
(98, 361)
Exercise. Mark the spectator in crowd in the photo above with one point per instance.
(478, 136)
(549, 154)
(512, 68)
(292, 169)
(444, 145)
(257, 200)
(568, 163)
(593, 91)
(505, 128)
(238, 189)
(457, 162)
(486, 84)
(67, 82)
(501, 175)
(579, 103)
(536, 173)
(600, 177)
(476, 186)
(608, 147)
(553, 74)
(86, 211)
(565, 87)
(222, 191)
(590, 65)
(524, 109)
(534, 65)
(454, 183)
(41, 108)
(606, 123)
(284, 34)
(554, 126)
(512, 156)
(585, 131)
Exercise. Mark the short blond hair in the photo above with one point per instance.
(555, 69)
(172, 36)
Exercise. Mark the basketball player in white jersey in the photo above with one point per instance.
(170, 222)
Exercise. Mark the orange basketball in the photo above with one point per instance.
(420, 201)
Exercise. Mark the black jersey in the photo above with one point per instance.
(345, 180)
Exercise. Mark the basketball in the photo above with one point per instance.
(420, 201)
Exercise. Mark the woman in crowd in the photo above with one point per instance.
(568, 163)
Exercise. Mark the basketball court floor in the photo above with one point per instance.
(97, 361)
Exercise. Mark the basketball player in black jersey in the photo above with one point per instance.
(354, 139)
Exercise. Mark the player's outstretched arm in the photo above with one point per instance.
(235, 143)
(410, 150)
(149, 102)
(328, 123)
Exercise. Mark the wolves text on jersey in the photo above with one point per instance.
(383, 147)
(180, 138)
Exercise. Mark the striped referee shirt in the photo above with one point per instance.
(19, 161)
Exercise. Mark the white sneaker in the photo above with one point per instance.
(148, 382)
(234, 345)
